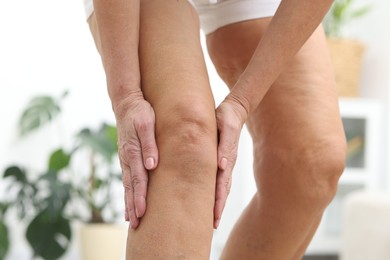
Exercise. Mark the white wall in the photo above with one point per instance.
(46, 48)
(373, 31)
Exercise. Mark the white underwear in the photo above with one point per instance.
(214, 14)
(88, 7)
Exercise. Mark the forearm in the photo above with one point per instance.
(291, 26)
(118, 28)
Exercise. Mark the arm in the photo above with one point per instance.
(118, 27)
(289, 29)
(291, 26)
(118, 30)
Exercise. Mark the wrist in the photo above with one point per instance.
(122, 103)
(240, 104)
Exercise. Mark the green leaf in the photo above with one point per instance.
(39, 111)
(58, 195)
(3, 209)
(21, 191)
(48, 236)
(112, 135)
(103, 142)
(360, 12)
(51, 176)
(117, 176)
(59, 160)
(4, 240)
(17, 173)
(340, 14)
(65, 94)
(338, 10)
(98, 183)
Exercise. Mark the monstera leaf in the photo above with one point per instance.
(24, 189)
(4, 239)
(16, 173)
(59, 160)
(103, 141)
(49, 236)
(39, 111)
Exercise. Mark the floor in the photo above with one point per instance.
(320, 257)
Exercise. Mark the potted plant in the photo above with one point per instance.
(346, 53)
(38, 198)
(61, 195)
(40, 201)
(100, 238)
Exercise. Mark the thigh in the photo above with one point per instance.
(172, 64)
(302, 104)
(298, 125)
(301, 107)
(174, 80)
(300, 113)
(173, 70)
(173, 75)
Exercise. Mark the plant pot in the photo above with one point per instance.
(102, 241)
(347, 60)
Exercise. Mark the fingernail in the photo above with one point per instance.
(126, 216)
(136, 212)
(149, 163)
(223, 163)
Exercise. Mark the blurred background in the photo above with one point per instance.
(59, 173)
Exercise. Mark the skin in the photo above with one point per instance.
(298, 141)
(115, 28)
(287, 99)
(181, 190)
(180, 199)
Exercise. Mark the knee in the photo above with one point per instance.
(312, 171)
(323, 165)
(187, 133)
(325, 171)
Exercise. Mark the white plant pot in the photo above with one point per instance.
(102, 241)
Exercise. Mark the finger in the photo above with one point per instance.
(147, 138)
(223, 185)
(134, 221)
(139, 183)
(229, 136)
(124, 195)
(129, 198)
(126, 208)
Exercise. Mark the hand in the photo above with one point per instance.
(137, 152)
(231, 116)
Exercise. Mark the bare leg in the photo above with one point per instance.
(299, 145)
(178, 222)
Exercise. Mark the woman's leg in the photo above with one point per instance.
(299, 145)
(178, 222)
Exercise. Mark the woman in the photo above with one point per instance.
(274, 59)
